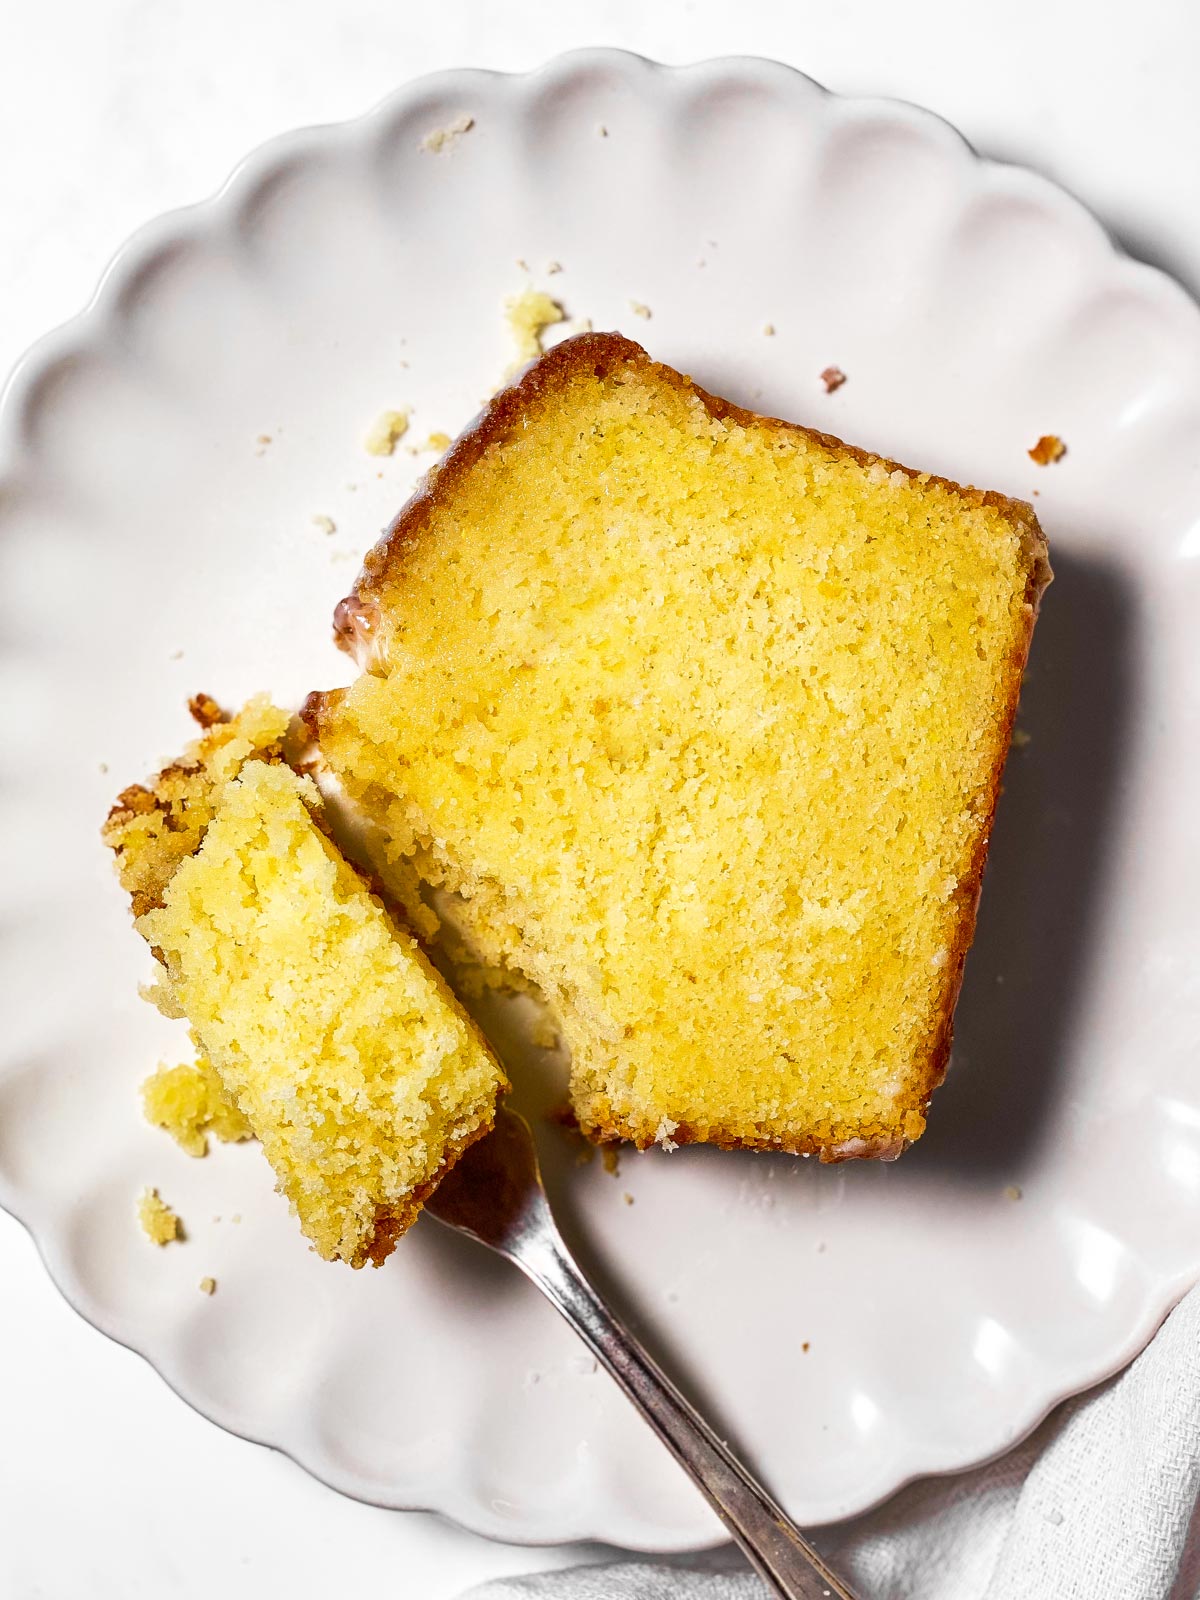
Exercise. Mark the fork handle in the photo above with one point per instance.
(775, 1547)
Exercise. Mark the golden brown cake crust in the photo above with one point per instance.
(601, 355)
(154, 827)
(391, 1222)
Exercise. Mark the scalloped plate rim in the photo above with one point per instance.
(218, 210)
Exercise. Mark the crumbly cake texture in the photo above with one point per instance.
(156, 1219)
(152, 829)
(704, 716)
(528, 315)
(189, 1101)
(351, 1061)
(386, 432)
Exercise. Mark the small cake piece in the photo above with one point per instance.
(386, 432)
(190, 1102)
(355, 1067)
(439, 139)
(528, 315)
(158, 1222)
(703, 715)
(1047, 450)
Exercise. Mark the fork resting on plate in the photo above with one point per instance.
(495, 1195)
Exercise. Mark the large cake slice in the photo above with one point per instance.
(704, 716)
(355, 1066)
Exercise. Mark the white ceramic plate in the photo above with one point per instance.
(853, 1326)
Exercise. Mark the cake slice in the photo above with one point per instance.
(703, 715)
(357, 1069)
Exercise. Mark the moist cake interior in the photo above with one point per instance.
(703, 715)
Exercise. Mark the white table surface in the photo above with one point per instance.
(114, 110)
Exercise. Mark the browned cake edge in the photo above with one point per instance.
(171, 810)
(392, 1222)
(600, 355)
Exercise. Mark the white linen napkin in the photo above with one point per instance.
(1100, 1504)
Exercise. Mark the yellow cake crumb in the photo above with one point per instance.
(386, 432)
(189, 1101)
(438, 441)
(528, 315)
(640, 310)
(703, 716)
(158, 1222)
(1013, 1192)
(445, 138)
(207, 1286)
(326, 524)
(627, 1197)
(769, 330)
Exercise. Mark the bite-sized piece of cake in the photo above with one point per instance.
(704, 716)
(356, 1068)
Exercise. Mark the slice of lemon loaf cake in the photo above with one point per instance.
(704, 716)
(357, 1069)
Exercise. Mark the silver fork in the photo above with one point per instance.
(495, 1195)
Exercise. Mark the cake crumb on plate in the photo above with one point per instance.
(528, 315)
(208, 1286)
(189, 1102)
(833, 378)
(326, 524)
(439, 139)
(640, 310)
(1048, 449)
(386, 432)
(158, 1222)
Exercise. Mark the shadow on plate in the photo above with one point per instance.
(1043, 892)
(1128, 235)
